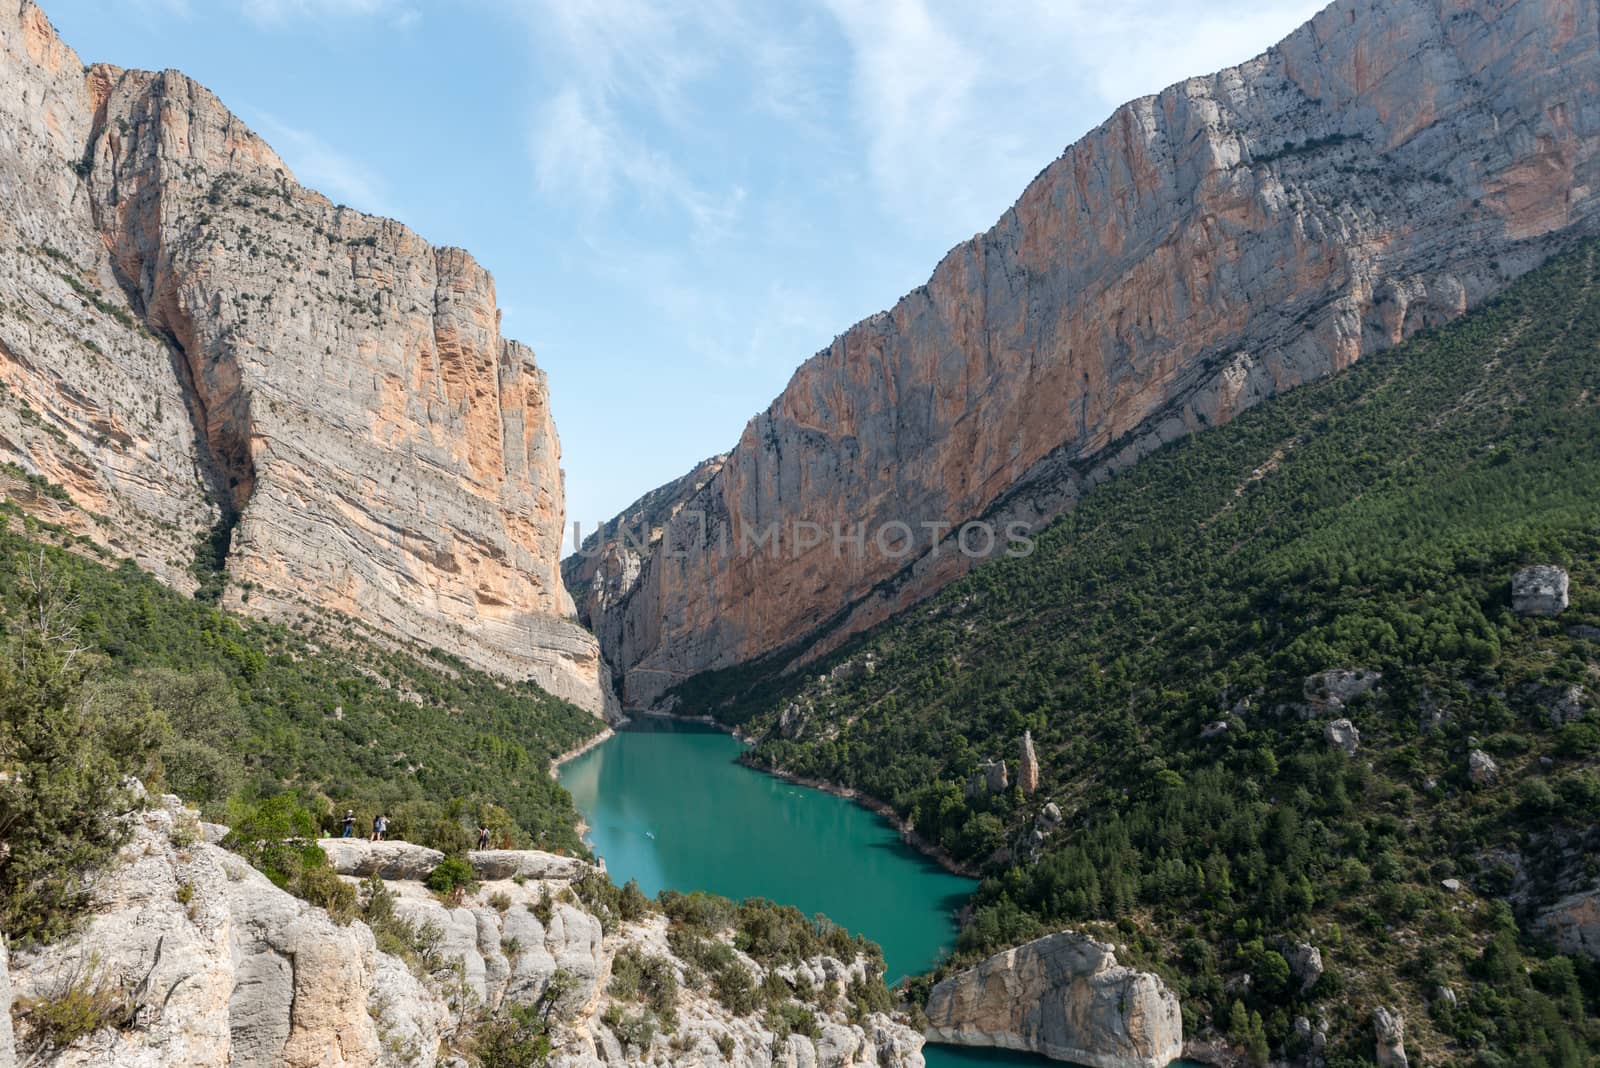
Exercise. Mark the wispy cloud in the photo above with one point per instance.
(320, 166)
(638, 88)
(957, 102)
(583, 155)
(401, 13)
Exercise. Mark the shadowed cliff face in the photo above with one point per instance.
(188, 336)
(1385, 167)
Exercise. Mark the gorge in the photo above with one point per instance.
(1379, 171)
(1279, 745)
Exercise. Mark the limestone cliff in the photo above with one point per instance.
(1385, 167)
(209, 964)
(192, 343)
(1066, 997)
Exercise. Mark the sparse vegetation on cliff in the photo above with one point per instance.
(1158, 644)
(243, 710)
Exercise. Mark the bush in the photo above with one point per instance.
(86, 1000)
(274, 835)
(735, 988)
(321, 886)
(452, 876)
(518, 1036)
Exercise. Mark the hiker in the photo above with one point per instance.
(483, 836)
(380, 827)
(349, 823)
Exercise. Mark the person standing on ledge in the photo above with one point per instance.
(349, 823)
(483, 836)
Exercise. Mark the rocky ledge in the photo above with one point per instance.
(1064, 996)
(210, 964)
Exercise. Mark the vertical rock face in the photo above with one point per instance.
(607, 564)
(1573, 924)
(1382, 169)
(1066, 997)
(1028, 767)
(191, 339)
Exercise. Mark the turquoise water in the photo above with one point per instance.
(667, 805)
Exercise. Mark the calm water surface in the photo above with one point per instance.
(667, 805)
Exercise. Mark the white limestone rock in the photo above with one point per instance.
(1066, 997)
(1540, 590)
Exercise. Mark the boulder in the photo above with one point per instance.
(1215, 729)
(1540, 590)
(528, 864)
(388, 860)
(1481, 768)
(1064, 996)
(1342, 734)
(1389, 1029)
(1305, 964)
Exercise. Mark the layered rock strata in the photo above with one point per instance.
(194, 348)
(1063, 996)
(1384, 168)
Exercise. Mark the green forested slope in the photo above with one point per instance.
(1369, 521)
(249, 709)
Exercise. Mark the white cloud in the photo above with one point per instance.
(320, 166)
(961, 104)
(628, 113)
(583, 155)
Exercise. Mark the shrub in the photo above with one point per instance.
(84, 1001)
(735, 988)
(452, 876)
(322, 887)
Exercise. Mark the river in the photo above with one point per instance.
(667, 805)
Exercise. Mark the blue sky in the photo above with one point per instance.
(680, 201)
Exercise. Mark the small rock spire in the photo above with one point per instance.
(1028, 769)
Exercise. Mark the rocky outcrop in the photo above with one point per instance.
(1381, 170)
(1540, 590)
(1573, 924)
(387, 860)
(989, 777)
(1481, 768)
(1028, 765)
(192, 345)
(1342, 734)
(206, 964)
(219, 966)
(1063, 996)
(1331, 690)
(1389, 1028)
(1305, 964)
